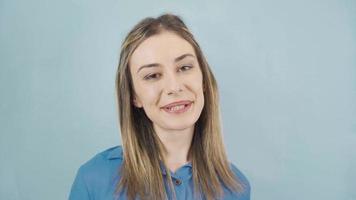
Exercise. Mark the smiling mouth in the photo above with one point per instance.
(176, 109)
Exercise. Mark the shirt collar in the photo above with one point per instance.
(184, 172)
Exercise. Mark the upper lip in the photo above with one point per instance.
(177, 103)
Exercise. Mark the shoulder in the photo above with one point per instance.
(102, 161)
(242, 179)
(108, 154)
(97, 175)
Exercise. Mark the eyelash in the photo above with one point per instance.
(154, 76)
(186, 66)
(151, 76)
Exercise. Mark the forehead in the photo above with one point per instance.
(160, 48)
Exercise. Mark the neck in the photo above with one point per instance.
(177, 144)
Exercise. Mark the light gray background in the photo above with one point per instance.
(286, 72)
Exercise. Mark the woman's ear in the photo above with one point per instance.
(137, 102)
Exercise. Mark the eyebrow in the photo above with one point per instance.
(179, 58)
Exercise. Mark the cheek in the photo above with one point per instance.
(197, 84)
(199, 90)
(148, 95)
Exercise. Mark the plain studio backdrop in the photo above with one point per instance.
(286, 72)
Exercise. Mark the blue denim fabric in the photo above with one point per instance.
(97, 179)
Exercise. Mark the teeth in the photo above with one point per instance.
(175, 108)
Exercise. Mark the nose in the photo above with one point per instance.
(173, 84)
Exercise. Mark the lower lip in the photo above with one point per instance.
(186, 107)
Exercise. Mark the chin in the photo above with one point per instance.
(180, 126)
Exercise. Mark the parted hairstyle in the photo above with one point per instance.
(143, 152)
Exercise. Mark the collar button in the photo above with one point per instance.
(177, 181)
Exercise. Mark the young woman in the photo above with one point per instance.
(172, 145)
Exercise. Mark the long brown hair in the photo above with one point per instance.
(142, 149)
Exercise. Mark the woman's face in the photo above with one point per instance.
(167, 81)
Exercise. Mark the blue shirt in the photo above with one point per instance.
(97, 179)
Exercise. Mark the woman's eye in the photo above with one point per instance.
(152, 76)
(185, 68)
